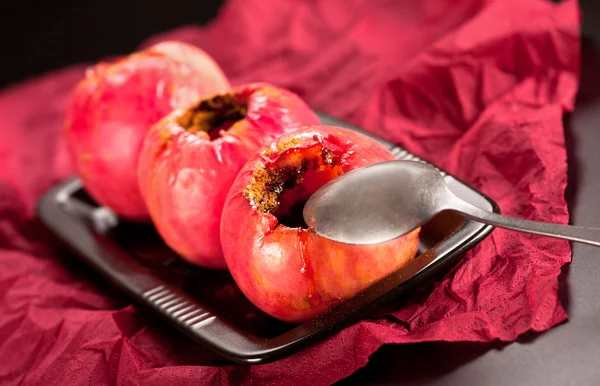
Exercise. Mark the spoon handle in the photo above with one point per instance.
(567, 232)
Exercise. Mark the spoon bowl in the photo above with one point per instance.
(387, 200)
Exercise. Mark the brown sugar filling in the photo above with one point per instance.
(283, 188)
(214, 115)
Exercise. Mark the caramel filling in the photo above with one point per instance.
(283, 188)
(215, 115)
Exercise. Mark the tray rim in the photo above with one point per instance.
(262, 350)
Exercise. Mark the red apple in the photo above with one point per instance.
(190, 159)
(282, 267)
(115, 105)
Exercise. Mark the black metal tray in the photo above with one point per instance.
(208, 306)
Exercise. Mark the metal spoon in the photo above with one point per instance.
(389, 199)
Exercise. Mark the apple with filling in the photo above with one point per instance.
(284, 268)
(191, 157)
(114, 106)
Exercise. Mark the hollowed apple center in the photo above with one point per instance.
(214, 115)
(283, 187)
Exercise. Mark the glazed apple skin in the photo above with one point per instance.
(290, 272)
(185, 176)
(114, 106)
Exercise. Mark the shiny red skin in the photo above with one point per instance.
(114, 106)
(185, 177)
(291, 273)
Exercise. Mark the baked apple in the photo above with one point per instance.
(282, 267)
(191, 157)
(114, 106)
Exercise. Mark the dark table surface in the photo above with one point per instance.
(45, 38)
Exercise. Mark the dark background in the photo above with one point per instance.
(41, 35)
(36, 37)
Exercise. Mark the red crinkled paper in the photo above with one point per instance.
(476, 87)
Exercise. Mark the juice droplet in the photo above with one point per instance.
(313, 298)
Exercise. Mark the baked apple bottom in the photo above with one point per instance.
(280, 265)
